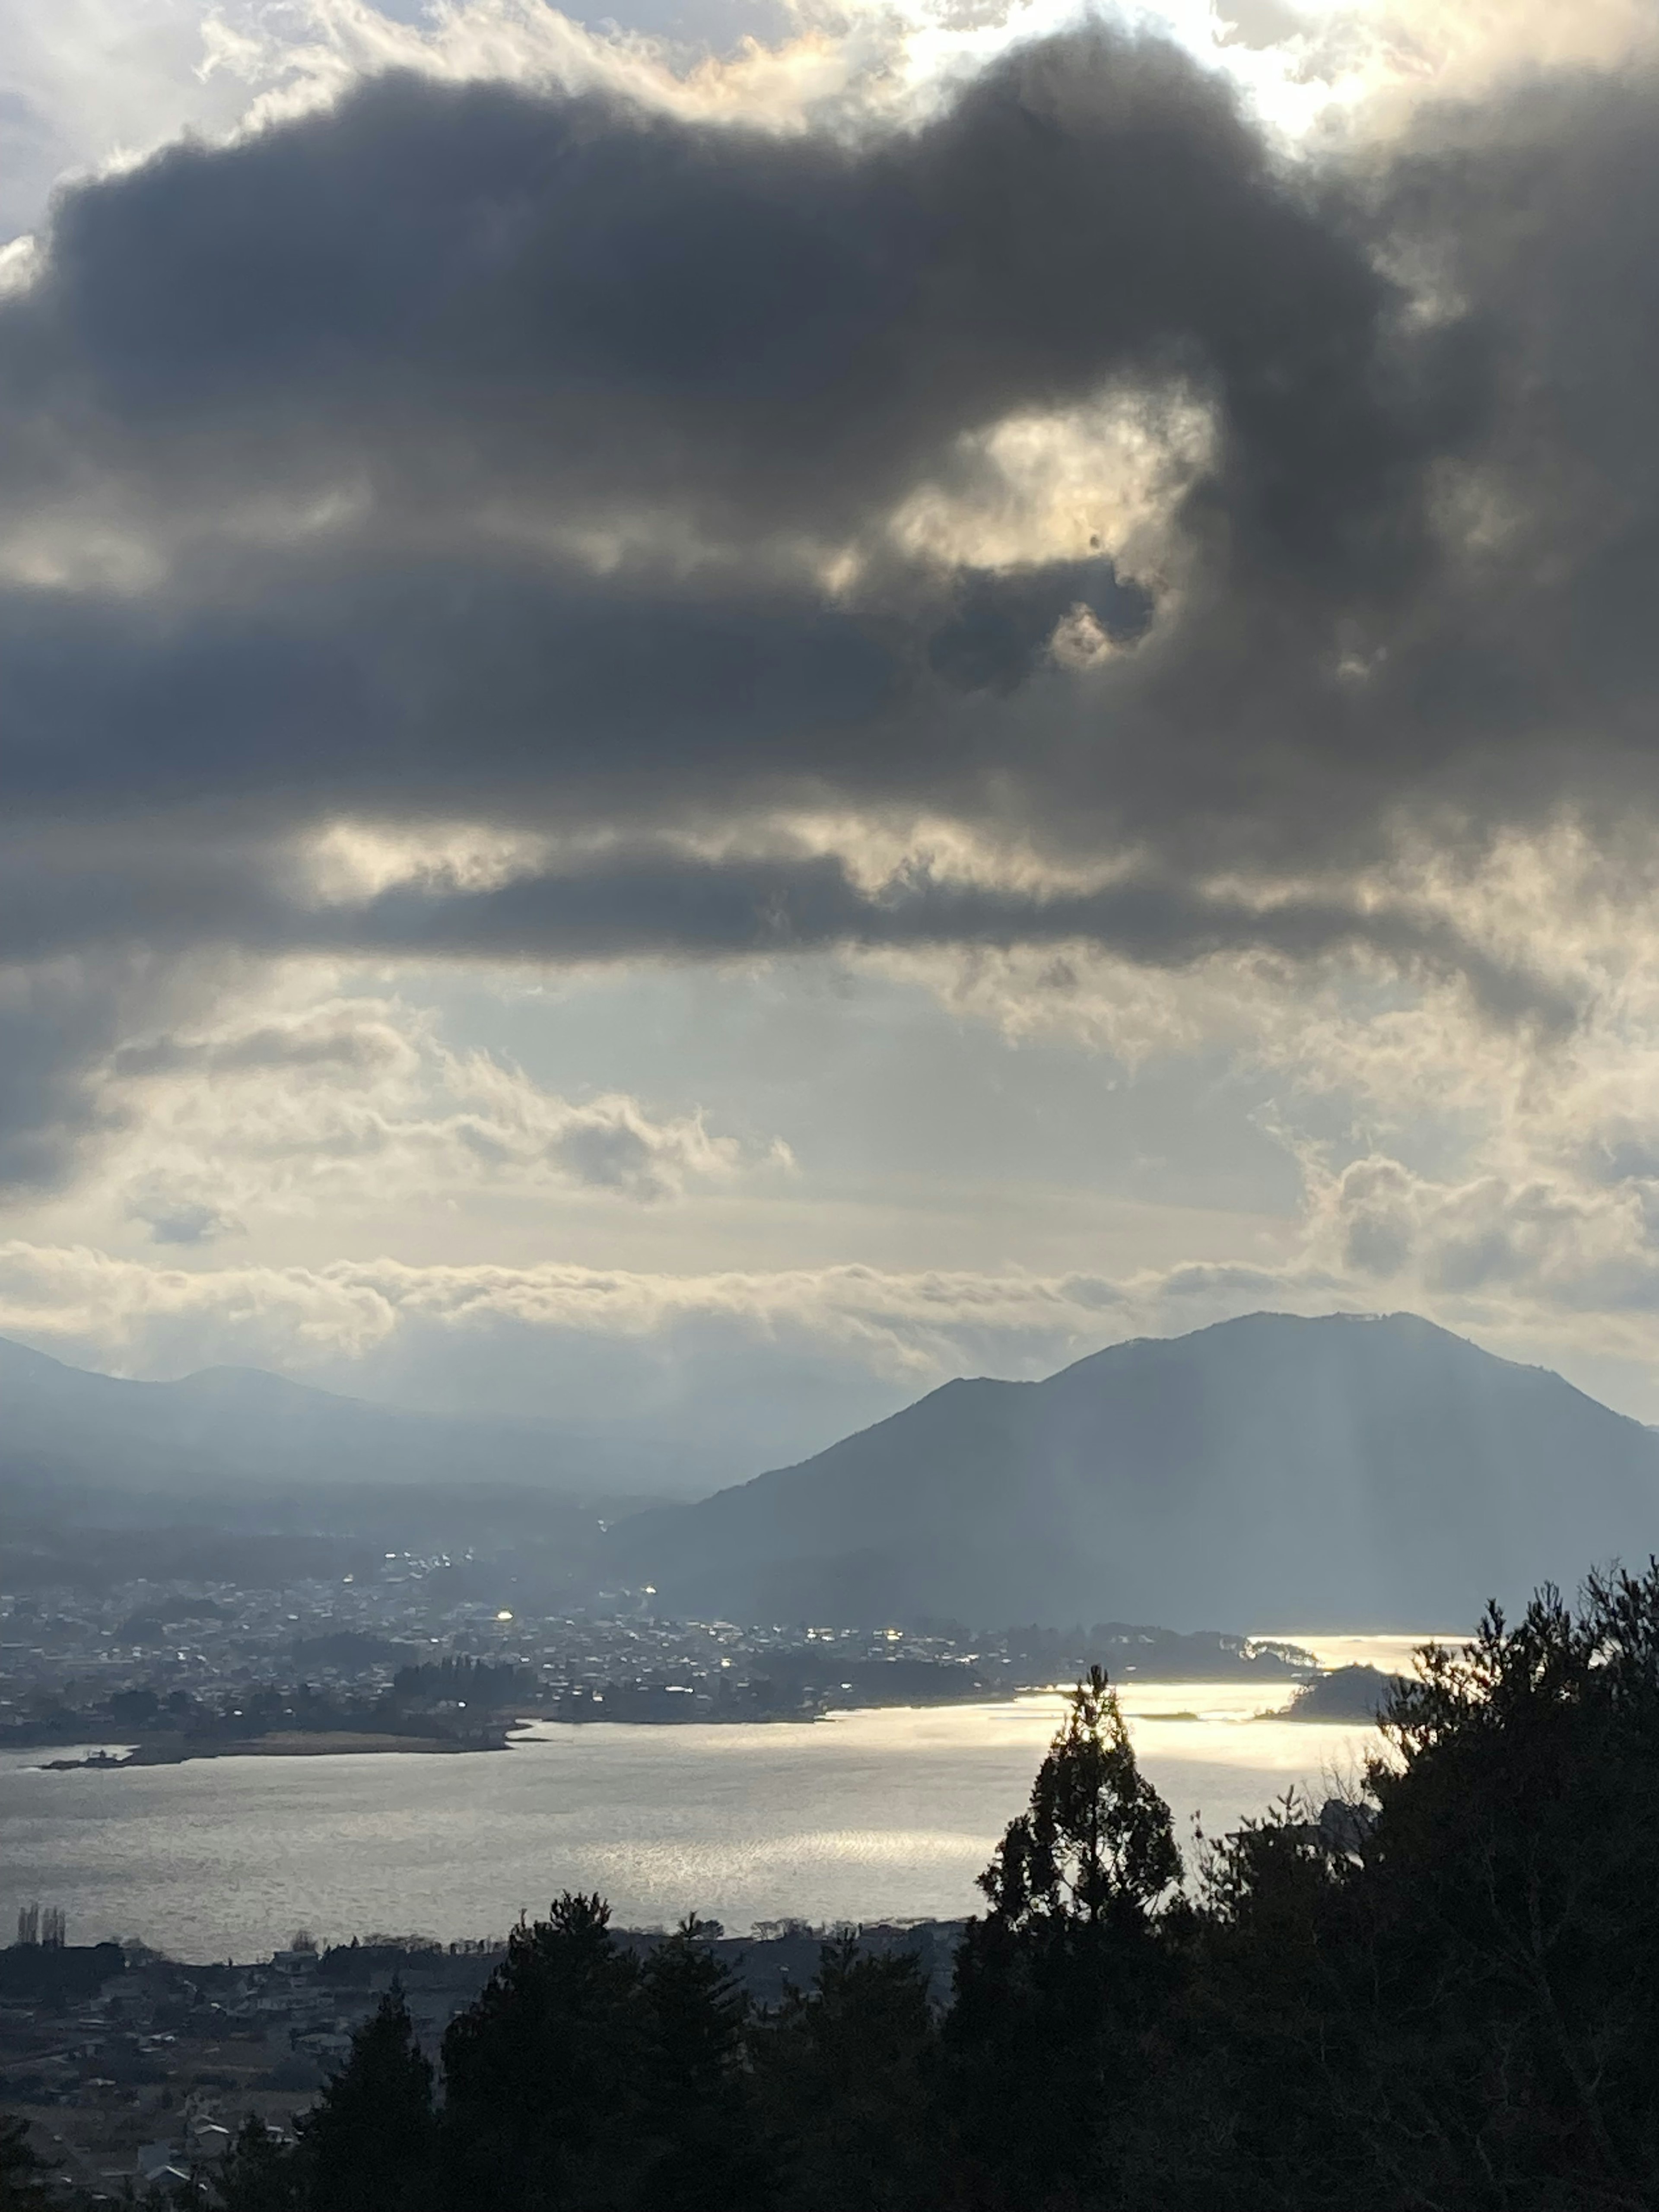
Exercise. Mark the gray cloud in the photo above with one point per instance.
(359, 395)
(56, 1021)
(1002, 624)
(570, 293)
(649, 900)
(436, 299)
(172, 1219)
(661, 907)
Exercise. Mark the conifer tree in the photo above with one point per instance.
(258, 2173)
(367, 2145)
(1097, 1843)
(846, 2078)
(1060, 1984)
(542, 2072)
(697, 2105)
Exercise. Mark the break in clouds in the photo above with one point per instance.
(1063, 538)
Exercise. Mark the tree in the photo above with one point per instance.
(1098, 1844)
(1462, 2007)
(541, 2072)
(847, 2080)
(696, 2104)
(369, 2143)
(1270, 2094)
(1515, 1872)
(258, 2172)
(1061, 1986)
(23, 2172)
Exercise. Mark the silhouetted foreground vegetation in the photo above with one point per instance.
(1448, 1997)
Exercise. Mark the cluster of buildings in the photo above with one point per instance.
(132, 2068)
(147, 1657)
(353, 1652)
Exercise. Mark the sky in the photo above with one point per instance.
(711, 712)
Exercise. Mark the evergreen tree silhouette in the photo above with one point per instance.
(542, 2073)
(695, 2095)
(369, 2143)
(847, 2077)
(257, 2174)
(1098, 1844)
(1059, 1986)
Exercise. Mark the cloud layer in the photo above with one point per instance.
(461, 451)
(293, 1112)
(457, 439)
(1043, 537)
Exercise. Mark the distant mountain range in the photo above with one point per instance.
(1271, 1471)
(238, 1427)
(238, 1476)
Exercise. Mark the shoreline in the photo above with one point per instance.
(322, 1743)
(289, 1743)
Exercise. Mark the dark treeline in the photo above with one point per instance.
(448, 1698)
(1449, 1998)
(243, 1715)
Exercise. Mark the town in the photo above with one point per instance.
(136, 2071)
(425, 1653)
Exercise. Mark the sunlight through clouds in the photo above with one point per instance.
(847, 684)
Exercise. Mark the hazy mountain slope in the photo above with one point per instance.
(231, 1428)
(1271, 1471)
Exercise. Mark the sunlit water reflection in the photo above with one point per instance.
(866, 1815)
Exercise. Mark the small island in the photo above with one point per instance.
(1347, 1693)
(281, 1743)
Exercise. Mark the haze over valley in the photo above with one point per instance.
(1358, 1471)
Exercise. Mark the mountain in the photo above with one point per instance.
(1349, 1471)
(235, 1428)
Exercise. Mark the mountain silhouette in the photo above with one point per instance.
(1270, 1472)
(231, 1428)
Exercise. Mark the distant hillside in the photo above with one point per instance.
(232, 1428)
(1271, 1471)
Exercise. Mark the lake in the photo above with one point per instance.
(871, 1815)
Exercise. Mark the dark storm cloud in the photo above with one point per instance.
(648, 900)
(440, 299)
(663, 907)
(428, 682)
(569, 293)
(1002, 624)
(57, 1022)
(1414, 581)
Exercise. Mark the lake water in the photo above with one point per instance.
(864, 1816)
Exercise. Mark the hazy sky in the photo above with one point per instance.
(709, 715)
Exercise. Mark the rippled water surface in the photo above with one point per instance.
(866, 1815)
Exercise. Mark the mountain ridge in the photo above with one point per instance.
(236, 1425)
(1345, 1468)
